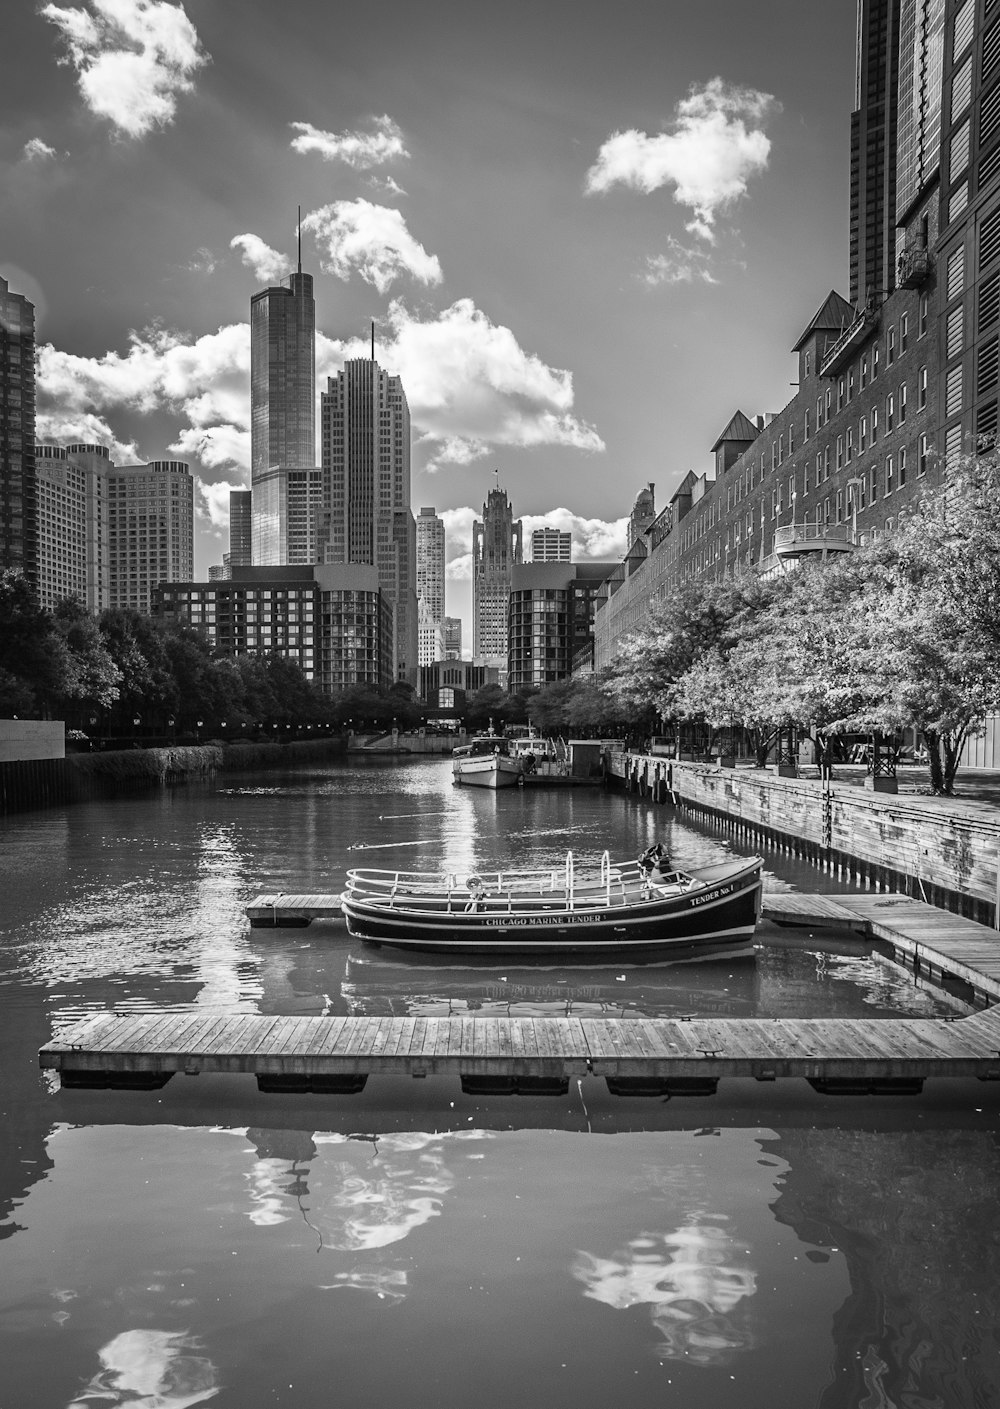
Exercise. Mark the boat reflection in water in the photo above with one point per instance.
(695, 1282)
(415, 987)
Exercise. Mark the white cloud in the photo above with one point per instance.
(267, 264)
(371, 239)
(37, 150)
(213, 500)
(715, 146)
(471, 386)
(202, 261)
(358, 149)
(132, 57)
(64, 426)
(386, 185)
(678, 265)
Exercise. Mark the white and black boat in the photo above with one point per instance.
(632, 910)
(486, 762)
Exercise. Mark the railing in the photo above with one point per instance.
(850, 339)
(914, 268)
(813, 537)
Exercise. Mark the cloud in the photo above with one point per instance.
(37, 150)
(267, 264)
(203, 379)
(471, 386)
(371, 239)
(361, 150)
(213, 500)
(65, 426)
(132, 58)
(679, 265)
(594, 540)
(203, 261)
(386, 185)
(715, 146)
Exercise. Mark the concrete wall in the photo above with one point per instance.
(22, 739)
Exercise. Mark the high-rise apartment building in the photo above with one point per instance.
(430, 585)
(18, 528)
(240, 528)
(61, 507)
(94, 461)
(365, 423)
(496, 547)
(873, 152)
(552, 609)
(150, 529)
(968, 250)
(551, 545)
(282, 417)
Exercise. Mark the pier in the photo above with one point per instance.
(505, 1055)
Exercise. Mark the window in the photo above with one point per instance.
(864, 371)
(863, 435)
(874, 361)
(902, 402)
(829, 402)
(922, 455)
(888, 475)
(840, 394)
(849, 452)
(805, 364)
(874, 424)
(819, 411)
(924, 312)
(890, 346)
(840, 505)
(921, 388)
(805, 431)
(901, 469)
(840, 451)
(819, 470)
(904, 332)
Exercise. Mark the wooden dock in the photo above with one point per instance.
(936, 942)
(287, 911)
(501, 1055)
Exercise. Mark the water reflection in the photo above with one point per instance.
(694, 1281)
(148, 1369)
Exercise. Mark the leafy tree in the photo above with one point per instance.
(93, 679)
(35, 665)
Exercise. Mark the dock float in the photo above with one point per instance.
(660, 1057)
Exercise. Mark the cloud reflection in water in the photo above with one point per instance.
(148, 1369)
(692, 1283)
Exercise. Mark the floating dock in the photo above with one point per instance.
(501, 1055)
(529, 1055)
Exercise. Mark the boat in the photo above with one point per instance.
(610, 910)
(486, 762)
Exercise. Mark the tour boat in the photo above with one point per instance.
(486, 762)
(627, 910)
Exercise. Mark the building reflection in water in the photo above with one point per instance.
(148, 1369)
(695, 1282)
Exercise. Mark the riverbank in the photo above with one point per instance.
(941, 850)
(79, 777)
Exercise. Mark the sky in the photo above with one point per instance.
(586, 233)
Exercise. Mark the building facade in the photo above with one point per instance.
(282, 408)
(329, 619)
(496, 548)
(240, 528)
(551, 545)
(430, 585)
(367, 518)
(61, 507)
(552, 609)
(18, 524)
(453, 638)
(446, 685)
(94, 462)
(150, 530)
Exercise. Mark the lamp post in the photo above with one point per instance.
(854, 484)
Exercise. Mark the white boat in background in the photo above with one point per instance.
(486, 762)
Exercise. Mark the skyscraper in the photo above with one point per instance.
(282, 408)
(18, 523)
(61, 504)
(240, 528)
(430, 585)
(873, 152)
(551, 545)
(496, 547)
(150, 529)
(365, 424)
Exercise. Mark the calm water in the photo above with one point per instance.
(414, 1246)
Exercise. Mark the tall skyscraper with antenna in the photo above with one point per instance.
(283, 419)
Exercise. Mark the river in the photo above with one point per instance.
(413, 1246)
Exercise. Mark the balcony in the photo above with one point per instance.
(851, 340)
(914, 268)
(797, 540)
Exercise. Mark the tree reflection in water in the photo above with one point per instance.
(692, 1283)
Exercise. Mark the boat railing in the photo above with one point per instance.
(502, 890)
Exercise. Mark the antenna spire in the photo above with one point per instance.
(373, 339)
(300, 239)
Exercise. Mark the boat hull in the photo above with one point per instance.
(487, 772)
(718, 918)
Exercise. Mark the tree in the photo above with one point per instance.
(93, 679)
(35, 667)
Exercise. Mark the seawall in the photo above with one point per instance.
(47, 782)
(932, 849)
